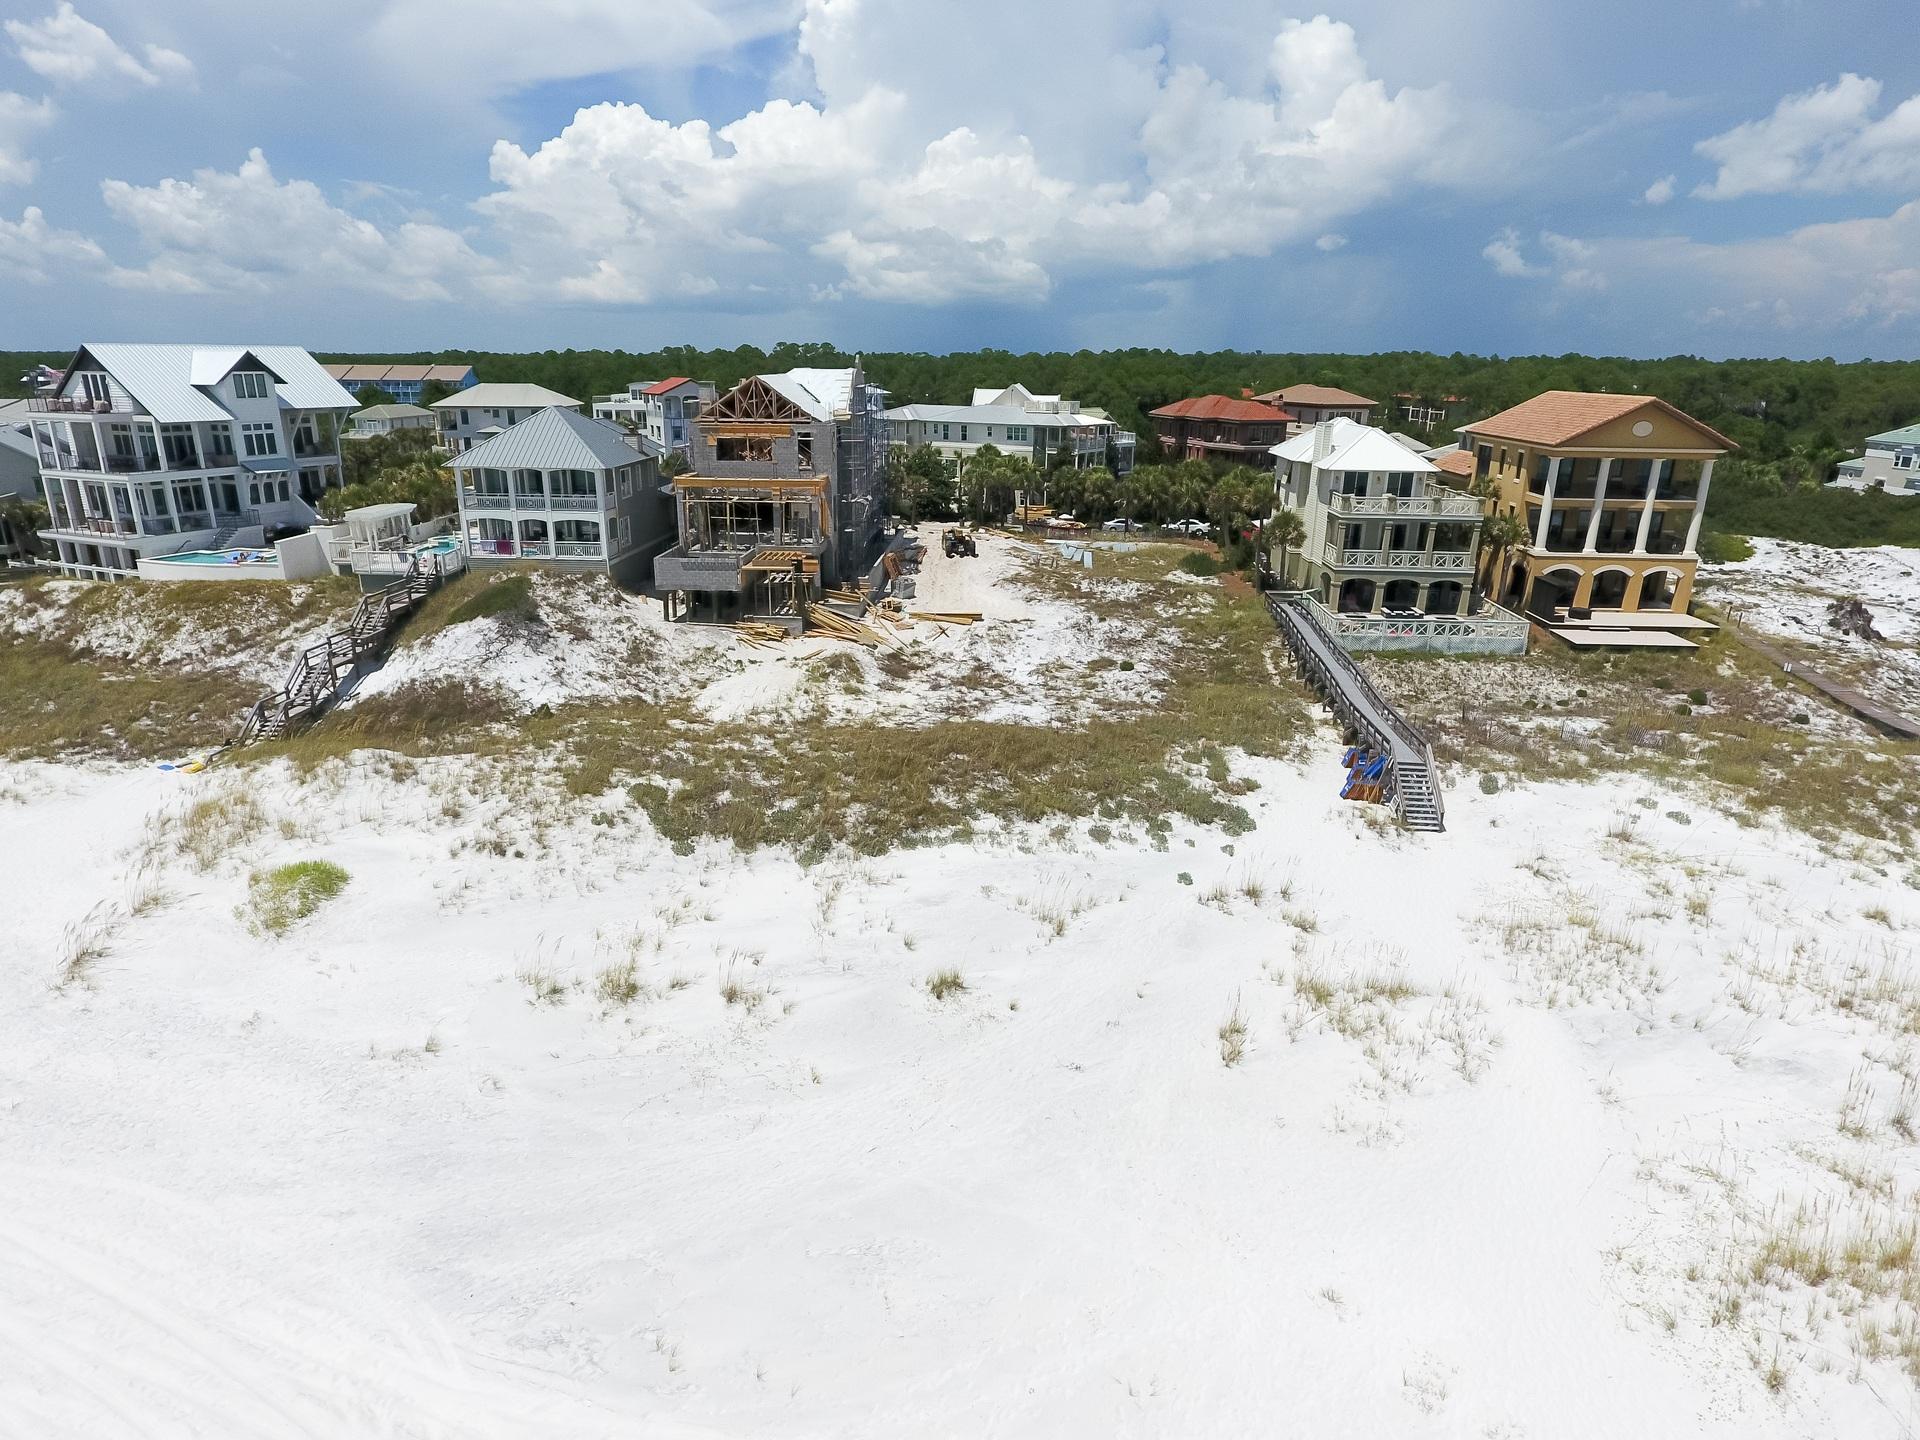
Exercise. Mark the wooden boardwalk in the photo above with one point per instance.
(1887, 722)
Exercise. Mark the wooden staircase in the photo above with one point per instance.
(1412, 780)
(328, 666)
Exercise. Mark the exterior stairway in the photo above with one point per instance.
(326, 667)
(1412, 782)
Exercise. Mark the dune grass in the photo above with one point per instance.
(280, 898)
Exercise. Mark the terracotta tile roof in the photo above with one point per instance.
(1456, 462)
(1222, 407)
(660, 387)
(1559, 417)
(1314, 395)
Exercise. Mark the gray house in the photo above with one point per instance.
(787, 492)
(385, 419)
(482, 411)
(568, 490)
(19, 471)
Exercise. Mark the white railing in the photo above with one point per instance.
(535, 548)
(476, 500)
(1492, 628)
(1446, 561)
(573, 502)
(1443, 504)
(572, 549)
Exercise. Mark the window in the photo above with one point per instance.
(1016, 432)
(260, 438)
(946, 432)
(1903, 462)
(464, 420)
(963, 432)
(253, 493)
(626, 531)
(250, 385)
(805, 443)
(93, 385)
(752, 448)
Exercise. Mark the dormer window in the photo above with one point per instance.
(93, 385)
(251, 385)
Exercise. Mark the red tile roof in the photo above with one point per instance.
(1222, 407)
(1316, 395)
(1455, 462)
(661, 387)
(1559, 417)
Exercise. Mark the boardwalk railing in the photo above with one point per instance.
(323, 669)
(1411, 781)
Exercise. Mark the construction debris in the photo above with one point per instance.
(839, 627)
(948, 617)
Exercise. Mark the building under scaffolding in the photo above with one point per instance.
(787, 497)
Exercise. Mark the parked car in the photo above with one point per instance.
(1191, 527)
(1124, 526)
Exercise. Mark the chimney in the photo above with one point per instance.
(1322, 440)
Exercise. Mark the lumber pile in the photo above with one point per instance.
(947, 617)
(825, 622)
(761, 634)
(843, 596)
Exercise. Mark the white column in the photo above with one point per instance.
(1646, 510)
(1699, 508)
(1599, 504)
(1546, 502)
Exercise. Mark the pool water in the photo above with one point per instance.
(219, 557)
(445, 545)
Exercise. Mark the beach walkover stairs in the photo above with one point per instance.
(327, 668)
(1410, 781)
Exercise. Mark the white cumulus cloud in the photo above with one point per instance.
(249, 232)
(1661, 190)
(19, 119)
(29, 246)
(68, 49)
(1825, 140)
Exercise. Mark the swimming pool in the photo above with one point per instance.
(444, 545)
(218, 557)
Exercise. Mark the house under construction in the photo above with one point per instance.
(787, 497)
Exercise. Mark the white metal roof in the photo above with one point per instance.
(372, 514)
(165, 378)
(390, 412)
(557, 439)
(977, 414)
(1014, 394)
(1353, 446)
(496, 396)
(821, 393)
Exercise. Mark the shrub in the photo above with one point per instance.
(1725, 549)
(1200, 563)
(1697, 697)
(1489, 784)
(510, 596)
(287, 894)
(943, 983)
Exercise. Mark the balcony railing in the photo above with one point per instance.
(572, 502)
(78, 405)
(1449, 561)
(1446, 503)
(578, 549)
(482, 500)
(536, 549)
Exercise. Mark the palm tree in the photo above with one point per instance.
(1286, 529)
(1497, 537)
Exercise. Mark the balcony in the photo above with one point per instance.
(570, 502)
(1445, 504)
(485, 500)
(579, 550)
(79, 405)
(1451, 562)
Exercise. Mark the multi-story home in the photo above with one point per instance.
(1611, 491)
(404, 384)
(1383, 535)
(568, 489)
(385, 419)
(1310, 404)
(1015, 420)
(19, 474)
(1892, 464)
(1219, 427)
(483, 411)
(787, 495)
(662, 410)
(150, 450)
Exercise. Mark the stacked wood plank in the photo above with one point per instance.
(761, 634)
(947, 617)
(825, 622)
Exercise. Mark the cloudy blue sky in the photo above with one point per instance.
(1644, 177)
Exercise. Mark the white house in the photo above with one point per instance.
(574, 491)
(19, 471)
(662, 410)
(386, 419)
(1892, 463)
(148, 450)
(1018, 422)
(1389, 550)
(480, 412)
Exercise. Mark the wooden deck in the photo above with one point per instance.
(1887, 722)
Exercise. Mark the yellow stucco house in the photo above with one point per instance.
(1611, 490)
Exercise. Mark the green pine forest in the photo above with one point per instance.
(1793, 419)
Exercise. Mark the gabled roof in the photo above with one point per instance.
(1905, 435)
(557, 439)
(1349, 445)
(162, 377)
(821, 393)
(1323, 395)
(661, 387)
(1560, 417)
(1221, 407)
(391, 412)
(1014, 394)
(496, 396)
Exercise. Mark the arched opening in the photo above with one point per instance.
(1356, 597)
(1610, 590)
(1401, 595)
(1552, 591)
(1516, 586)
(1656, 589)
(1443, 597)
